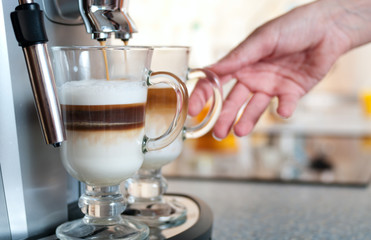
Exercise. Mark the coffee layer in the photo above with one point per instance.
(161, 97)
(103, 117)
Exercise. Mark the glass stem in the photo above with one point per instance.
(146, 186)
(102, 205)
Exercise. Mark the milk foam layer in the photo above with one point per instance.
(102, 92)
(103, 158)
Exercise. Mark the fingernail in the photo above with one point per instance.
(216, 138)
(284, 116)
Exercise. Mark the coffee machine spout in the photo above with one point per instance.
(105, 17)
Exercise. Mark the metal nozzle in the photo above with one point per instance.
(103, 17)
(28, 25)
(44, 90)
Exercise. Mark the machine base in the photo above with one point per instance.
(197, 225)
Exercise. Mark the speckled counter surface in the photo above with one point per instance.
(268, 211)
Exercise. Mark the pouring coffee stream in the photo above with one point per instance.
(103, 43)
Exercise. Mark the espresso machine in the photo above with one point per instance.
(36, 194)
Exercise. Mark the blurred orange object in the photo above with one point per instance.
(366, 101)
(208, 143)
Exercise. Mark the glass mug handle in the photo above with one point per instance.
(176, 126)
(216, 107)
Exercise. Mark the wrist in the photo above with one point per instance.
(351, 18)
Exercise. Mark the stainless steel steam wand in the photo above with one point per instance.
(28, 24)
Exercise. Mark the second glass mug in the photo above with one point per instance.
(103, 95)
(145, 190)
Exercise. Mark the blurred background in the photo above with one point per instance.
(327, 140)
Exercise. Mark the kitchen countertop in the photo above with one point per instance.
(273, 211)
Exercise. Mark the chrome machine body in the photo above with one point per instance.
(34, 188)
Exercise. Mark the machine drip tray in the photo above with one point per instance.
(197, 226)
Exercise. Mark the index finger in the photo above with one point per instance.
(256, 46)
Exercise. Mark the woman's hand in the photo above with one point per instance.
(284, 58)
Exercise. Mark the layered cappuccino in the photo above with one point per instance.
(160, 111)
(105, 129)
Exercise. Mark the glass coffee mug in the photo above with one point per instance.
(103, 96)
(145, 190)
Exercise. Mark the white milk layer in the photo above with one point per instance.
(159, 158)
(103, 158)
(157, 123)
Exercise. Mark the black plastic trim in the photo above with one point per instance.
(28, 24)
